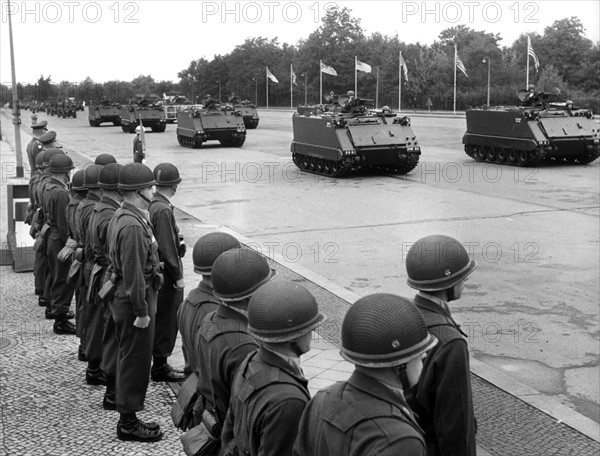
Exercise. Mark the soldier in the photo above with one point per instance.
(134, 279)
(208, 102)
(85, 254)
(56, 200)
(438, 266)
(102, 339)
(38, 130)
(269, 390)
(139, 148)
(46, 141)
(385, 336)
(223, 341)
(201, 301)
(532, 98)
(170, 251)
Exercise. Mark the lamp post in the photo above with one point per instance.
(489, 61)
(219, 82)
(255, 79)
(305, 87)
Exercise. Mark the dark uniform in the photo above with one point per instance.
(358, 417)
(32, 148)
(56, 200)
(138, 149)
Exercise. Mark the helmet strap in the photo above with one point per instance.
(141, 195)
(401, 372)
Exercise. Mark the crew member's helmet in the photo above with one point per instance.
(208, 248)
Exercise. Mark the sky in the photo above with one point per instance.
(120, 40)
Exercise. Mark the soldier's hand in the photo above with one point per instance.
(180, 283)
(141, 322)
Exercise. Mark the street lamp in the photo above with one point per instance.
(255, 79)
(305, 87)
(489, 61)
(219, 82)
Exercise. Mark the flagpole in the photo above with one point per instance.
(455, 54)
(291, 88)
(267, 84)
(527, 72)
(355, 83)
(321, 80)
(377, 90)
(15, 102)
(399, 81)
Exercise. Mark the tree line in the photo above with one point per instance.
(568, 60)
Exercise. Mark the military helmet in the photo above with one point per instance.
(384, 330)
(531, 86)
(437, 262)
(166, 175)
(350, 93)
(105, 159)
(60, 163)
(208, 248)
(109, 176)
(237, 273)
(91, 174)
(135, 176)
(282, 311)
(77, 181)
(49, 153)
(39, 160)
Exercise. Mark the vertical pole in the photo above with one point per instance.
(527, 78)
(267, 86)
(455, 55)
(15, 98)
(256, 91)
(355, 82)
(399, 81)
(321, 80)
(291, 88)
(377, 90)
(488, 91)
(305, 89)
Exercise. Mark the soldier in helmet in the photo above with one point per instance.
(134, 282)
(171, 249)
(269, 391)
(386, 338)
(201, 301)
(223, 341)
(56, 200)
(38, 130)
(438, 267)
(532, 97)
(103, 343)
(139, 146)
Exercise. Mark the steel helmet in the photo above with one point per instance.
(77, 181)
(135, 176)
(60, 163)
(105, 159)
(166, 174)
(39, 160)
(237, 273)
(91, 174)
(531, 86)
(208, 248)
(282, 311)
(49, 153)
(384, 330)
(437, 262)
(109, 176)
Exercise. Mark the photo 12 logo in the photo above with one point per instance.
(264, 12)
(461, 12)
(71, 12)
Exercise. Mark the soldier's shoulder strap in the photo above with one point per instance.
(210, 328)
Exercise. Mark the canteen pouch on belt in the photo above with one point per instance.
(41, 237)
(196, 442)
(182, 411)
(107, 290)
(74, 271)
(94, 277)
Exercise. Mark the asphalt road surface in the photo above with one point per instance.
(531, 309)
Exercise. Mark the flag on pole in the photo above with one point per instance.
(461, 65)
(142, 135)
(293, 76)
(404, 67)
(536, 62)
(271, 76)
(364, 67)
(327, 69)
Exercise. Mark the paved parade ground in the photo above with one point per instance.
(530, 309)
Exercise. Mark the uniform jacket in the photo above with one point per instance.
(268, 397)
(33, 148)
(138, 149)
(76, 198)
(167, 235)
(223, 343)
(358, 417)
(56, 199)
(443, 399)
(82, 218)
(99, 220)
(133, 255)
(199, 303)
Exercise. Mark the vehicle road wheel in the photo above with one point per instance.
(511, 157)
(522, 158)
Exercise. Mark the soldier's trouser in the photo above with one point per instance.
(94, 327)
(81, 304)
(135, 351)
(60, 292)
(168, 302)
(40, 269)
(110, 346)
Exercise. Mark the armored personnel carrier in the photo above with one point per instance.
(249, 112)
(65, 109)
(332, 141)
(106, 111)
(150, 113)
(539, 129)
(198, 125)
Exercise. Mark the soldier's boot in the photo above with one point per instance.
(81, 354)
(94, 375)
(42, 301)
(130, 427)
(64, 327)
(162, 372)
(109, 402)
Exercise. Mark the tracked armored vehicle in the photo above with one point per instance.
(249, 113)
(198, 125)
(151, 115)
(527, 134)
(65, 110)
(331, 142)
(106, 111)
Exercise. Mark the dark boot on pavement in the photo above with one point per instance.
(64, 327)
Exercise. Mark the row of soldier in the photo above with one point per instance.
(242, 333)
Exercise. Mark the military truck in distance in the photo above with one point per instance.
(332, 142)
(106, 111)
(198, 125)
(527, 134)
(151, 114)
(66, 109)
